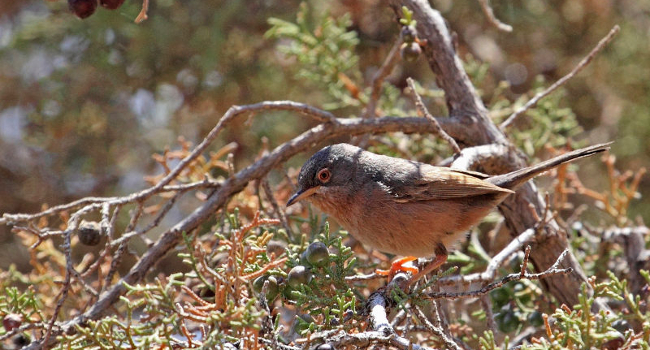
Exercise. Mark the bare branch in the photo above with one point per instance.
(423, 109)
(551, 271)
(489, 13)
(583, 63)
(435, 330)
(276, 207)
(378, 79)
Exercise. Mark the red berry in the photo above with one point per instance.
(82, 8)
(111, 4)
(12, 321)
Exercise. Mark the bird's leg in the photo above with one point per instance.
(398, 266)
(441, 258)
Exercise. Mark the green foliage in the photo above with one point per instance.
(324, 50)
(407, 17)
(327, 295)
(580, 328)
(25, 303)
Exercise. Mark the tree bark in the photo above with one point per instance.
(469, 114)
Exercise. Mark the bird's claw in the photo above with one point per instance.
(398, 266)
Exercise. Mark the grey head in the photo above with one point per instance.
(334, 165)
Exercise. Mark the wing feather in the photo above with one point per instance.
(439, 183)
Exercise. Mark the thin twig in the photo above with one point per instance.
(232, 113)
(357, 278)
(423, 109)
(276, 207)
(143, 13)
(489, 13)
(551, 271)
(384, 71)
(63, 294)
(378, 79)
(583, 63)
(434, 329)
(486, 304)
(154, 223)
(21, 329)
(524, 263)
(497, 261)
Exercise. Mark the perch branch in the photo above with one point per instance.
(551, 271)
(331, 128)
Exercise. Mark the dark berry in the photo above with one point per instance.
(298, 276)
(20, 340)
(408, 34)
(410, 51)
(89, 233)
(111, 4)
(258, 284)
(614, 344)
(317, 254)
(82, 8)
(273, 289)
(275, 247)
(12, 321)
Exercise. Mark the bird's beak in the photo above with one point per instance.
(301, 194)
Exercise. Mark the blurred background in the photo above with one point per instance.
(85, 103)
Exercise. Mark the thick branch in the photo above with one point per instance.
(463, 102)
(170, 238)
(465, 106)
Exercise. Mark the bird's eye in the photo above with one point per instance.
(324, 175)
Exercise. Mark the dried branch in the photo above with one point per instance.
(489, 13)
(279, 212)
(583, 63)
(435, 330)
(551, 271)
(142, 16)
(378, 79)
(423, 109)
(169, 239)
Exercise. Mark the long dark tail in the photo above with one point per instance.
(514, 179)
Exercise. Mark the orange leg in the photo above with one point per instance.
(440, 259)
(398, 266)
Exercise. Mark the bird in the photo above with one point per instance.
(405, 207)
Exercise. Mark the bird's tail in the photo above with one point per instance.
(516, 178)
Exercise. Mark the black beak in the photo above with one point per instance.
(301, 194)
(294, 198)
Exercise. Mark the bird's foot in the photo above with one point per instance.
(436, 263)
(398, 266)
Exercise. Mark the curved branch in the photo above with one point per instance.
(332, 127)
(467, 109)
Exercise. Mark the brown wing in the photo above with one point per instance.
(439, 183)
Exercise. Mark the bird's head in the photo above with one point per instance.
(331, 166)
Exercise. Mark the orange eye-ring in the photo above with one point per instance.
(324, 175)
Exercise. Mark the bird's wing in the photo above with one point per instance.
(439, 183)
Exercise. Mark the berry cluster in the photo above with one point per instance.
(85, 8)
(410, 49)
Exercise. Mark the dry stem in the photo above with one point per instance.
(583, 63)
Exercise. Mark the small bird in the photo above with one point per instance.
(406, 207)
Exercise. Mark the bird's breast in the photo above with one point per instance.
(373, 216)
